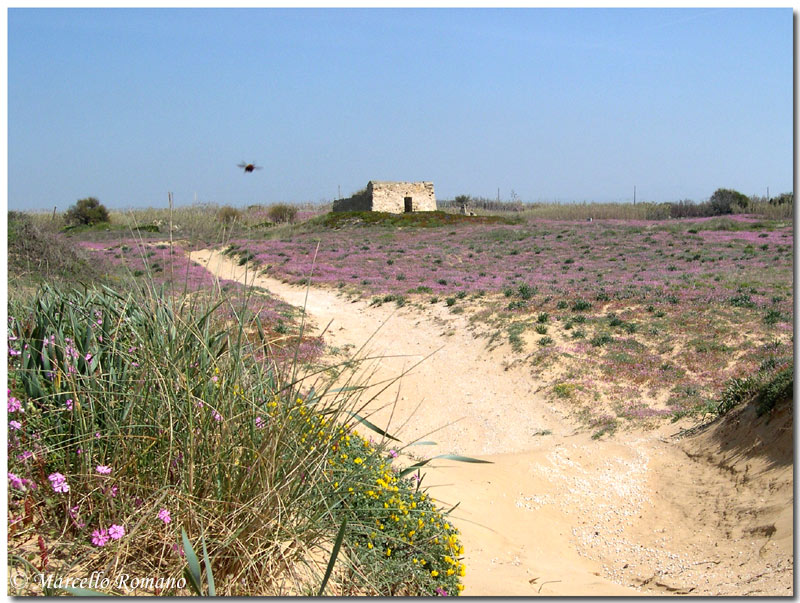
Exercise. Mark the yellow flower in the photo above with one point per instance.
(434, 573)
(358, 460)
(369, 545)
(388, 552)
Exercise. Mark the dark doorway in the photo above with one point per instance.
(408, 205)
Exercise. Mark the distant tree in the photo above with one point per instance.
(462, 199)
(86, 211)
(723, 201)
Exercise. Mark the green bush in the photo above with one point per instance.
(86, 211)
(282, 212)
(724, 201)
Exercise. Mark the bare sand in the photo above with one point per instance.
(558, 513)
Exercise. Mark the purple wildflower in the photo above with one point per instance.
(59, 482)
(15, 425)
(14, 405)
(116, 532)
(163, 515)
(100, 537)
(16, 481)
(103, 469)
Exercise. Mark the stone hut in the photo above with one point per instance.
(392, 197)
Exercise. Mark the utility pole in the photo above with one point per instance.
(634, 194)
(767, 194)
(498, 194)
(338, 191)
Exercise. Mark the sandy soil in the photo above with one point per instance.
(558, 513)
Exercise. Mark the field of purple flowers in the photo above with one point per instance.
(700, 260)
(627, 320)
(624, 320)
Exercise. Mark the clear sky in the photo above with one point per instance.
(552, 104)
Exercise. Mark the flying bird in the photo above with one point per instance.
(248, 167)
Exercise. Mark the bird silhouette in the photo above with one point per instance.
(248, 167)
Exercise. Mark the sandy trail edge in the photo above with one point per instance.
(556, 514)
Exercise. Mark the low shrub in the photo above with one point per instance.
(229, 215)
(282, 213)
(87, 211)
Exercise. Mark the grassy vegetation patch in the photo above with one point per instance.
(135, 417)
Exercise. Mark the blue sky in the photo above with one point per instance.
(552, 104)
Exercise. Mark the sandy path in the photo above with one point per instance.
(557, 513)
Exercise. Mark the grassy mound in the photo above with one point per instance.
(132, 418)
(36, 254)
(425, 219)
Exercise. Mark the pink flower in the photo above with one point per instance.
(113, 491)
(69, 404)
(25, 455)
(16, 482)
(217, 416)
(116, 532)
(163, 515)
(15, 425)
(100, 537)
(392, 453)
(59, 482)
(88, 357)
(441, 592)
(259, 422)
(103, 469)
(14, 405)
